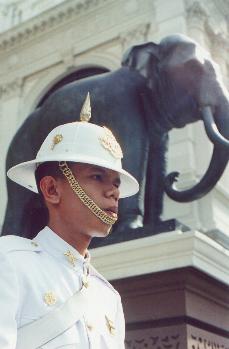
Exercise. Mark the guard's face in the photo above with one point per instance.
(102, 186)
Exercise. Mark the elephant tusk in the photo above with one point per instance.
(211, 128)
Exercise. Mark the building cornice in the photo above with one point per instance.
(162, 252)
(47, 20)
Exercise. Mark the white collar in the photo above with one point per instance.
(54, 245)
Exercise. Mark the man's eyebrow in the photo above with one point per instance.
(104, 170)
(97, 168)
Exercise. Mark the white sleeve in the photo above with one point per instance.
(8, 304)
(120, 323)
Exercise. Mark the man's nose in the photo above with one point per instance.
(113, 191)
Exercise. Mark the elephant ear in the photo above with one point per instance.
(142, 58)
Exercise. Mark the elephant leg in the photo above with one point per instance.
(25, 214)
(131, 210)
(35, 216)
(17, 196)
(155, 181)
(9, 227)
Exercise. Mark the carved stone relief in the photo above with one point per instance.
(47, 21)
(200, 339)
(172, 337)
(201, 342)
(11, 88)
(166, 342)
(134, 36)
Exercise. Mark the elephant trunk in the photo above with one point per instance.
(219, 135)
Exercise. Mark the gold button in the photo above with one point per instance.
(50, 298)
(34, 243)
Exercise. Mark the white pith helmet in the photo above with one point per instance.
(77, 142)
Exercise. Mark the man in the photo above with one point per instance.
(50, 295)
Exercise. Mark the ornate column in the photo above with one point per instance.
(219, 51)
(10, 96)
(196, 17)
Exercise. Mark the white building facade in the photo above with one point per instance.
(43, 41)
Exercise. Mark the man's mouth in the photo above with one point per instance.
(112, 211)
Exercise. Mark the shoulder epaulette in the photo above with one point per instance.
(10, 243)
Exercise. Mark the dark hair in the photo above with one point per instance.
(49, 168)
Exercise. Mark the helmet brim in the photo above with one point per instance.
(24, 173)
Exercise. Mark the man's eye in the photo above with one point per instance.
(97, 177)
(117, 184)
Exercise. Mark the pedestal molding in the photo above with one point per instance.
(162, 252)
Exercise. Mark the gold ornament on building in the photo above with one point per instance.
(56, 139)
(85, 113)
(109, 142)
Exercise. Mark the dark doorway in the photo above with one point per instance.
(77, 75)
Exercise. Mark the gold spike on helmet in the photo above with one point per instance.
(85, 113)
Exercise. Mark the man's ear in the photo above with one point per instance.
(50, 189)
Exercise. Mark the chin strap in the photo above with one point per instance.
(88, 202)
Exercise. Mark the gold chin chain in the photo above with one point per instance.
(78, 190)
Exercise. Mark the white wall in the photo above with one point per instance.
(51, 42)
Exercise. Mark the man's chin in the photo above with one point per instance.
(102, 233)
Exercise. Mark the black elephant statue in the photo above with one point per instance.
(159, 87)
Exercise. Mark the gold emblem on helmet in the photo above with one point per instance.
(109, 142)
(56, 139)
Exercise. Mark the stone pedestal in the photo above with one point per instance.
(174, 288)
(182, 308)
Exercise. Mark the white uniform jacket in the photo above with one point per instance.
(41, 274)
